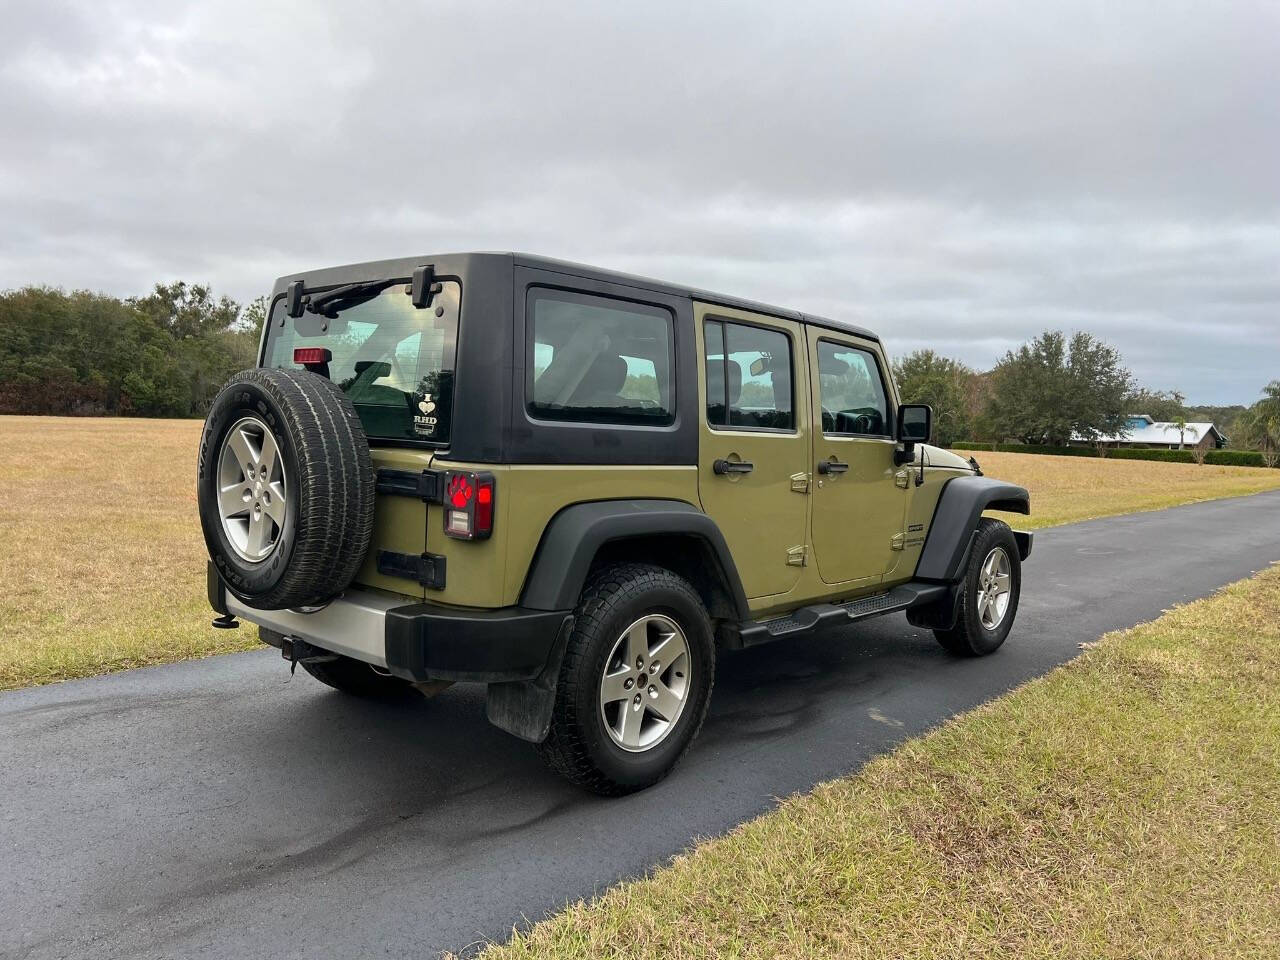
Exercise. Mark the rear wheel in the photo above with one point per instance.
(359, 679)
(635, 681)
(992, 585)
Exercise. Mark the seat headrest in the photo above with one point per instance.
(715, 381)
(380, 368)
(605, 377)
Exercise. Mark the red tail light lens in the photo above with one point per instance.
(461, 490)
(308, 355)
(468, 505)
(484, 507)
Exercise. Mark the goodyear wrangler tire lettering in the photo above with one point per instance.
(285, 488)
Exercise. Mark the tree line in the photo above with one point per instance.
(165, 354)
(1055, 387)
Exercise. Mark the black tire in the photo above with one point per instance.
(359, 679)
(329, 494)
(578, 746)
(970, 637)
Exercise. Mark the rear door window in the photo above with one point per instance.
(749, 382)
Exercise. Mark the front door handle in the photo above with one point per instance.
(832, 466)
(723, 466)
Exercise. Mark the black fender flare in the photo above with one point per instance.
(575, 535)
(955, 521)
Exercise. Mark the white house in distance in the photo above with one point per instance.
(1142, 431)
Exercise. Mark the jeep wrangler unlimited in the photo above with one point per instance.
(578, 487)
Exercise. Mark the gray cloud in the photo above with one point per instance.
(960, 180)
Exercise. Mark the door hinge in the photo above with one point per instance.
(797, 556)
(800, 483)
(427, 569)
(900, 541)
(426, 485)
(902, 479)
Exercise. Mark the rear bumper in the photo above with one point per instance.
(418, 641)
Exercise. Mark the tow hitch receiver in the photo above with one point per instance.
(296, 651)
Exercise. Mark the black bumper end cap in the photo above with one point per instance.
(426, 641)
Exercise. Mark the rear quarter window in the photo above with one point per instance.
(598, 359)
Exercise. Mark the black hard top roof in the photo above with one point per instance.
(706, 296)
(567, 267)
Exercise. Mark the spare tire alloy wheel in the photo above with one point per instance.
(252, 490)
(285, 488)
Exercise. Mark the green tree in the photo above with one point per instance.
(1052, 389)
(165, 355)
(1259, 426)
(928, 377)
(252, 318)
(187, 310)
(1162, 405)
(1180, 424)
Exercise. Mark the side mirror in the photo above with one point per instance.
(915, 422)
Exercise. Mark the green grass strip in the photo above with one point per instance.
(1125, 805)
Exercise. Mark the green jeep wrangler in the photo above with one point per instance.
(578, 487)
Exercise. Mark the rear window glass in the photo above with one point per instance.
(598, 360)
(394, 360)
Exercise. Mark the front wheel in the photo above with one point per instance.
(992, 585)
(635, 681)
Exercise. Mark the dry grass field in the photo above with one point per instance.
(1124, 805)
(102, 560)
(1067, 489)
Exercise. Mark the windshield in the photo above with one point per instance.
(394, 360)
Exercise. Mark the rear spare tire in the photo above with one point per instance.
(285, 488)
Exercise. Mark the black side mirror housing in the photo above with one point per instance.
(915, 425)
(915, 422)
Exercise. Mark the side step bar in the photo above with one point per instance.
(807, 620)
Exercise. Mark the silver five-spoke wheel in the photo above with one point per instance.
(994, 586)
(646, 683)
(252, 501)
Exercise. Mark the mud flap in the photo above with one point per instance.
(941, 614)
(523, 708)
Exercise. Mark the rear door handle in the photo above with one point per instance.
(832, 466)
(722, 466)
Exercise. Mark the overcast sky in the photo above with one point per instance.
(956, 180)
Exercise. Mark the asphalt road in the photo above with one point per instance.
(216, 809)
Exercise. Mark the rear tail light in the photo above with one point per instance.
(468, 505)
